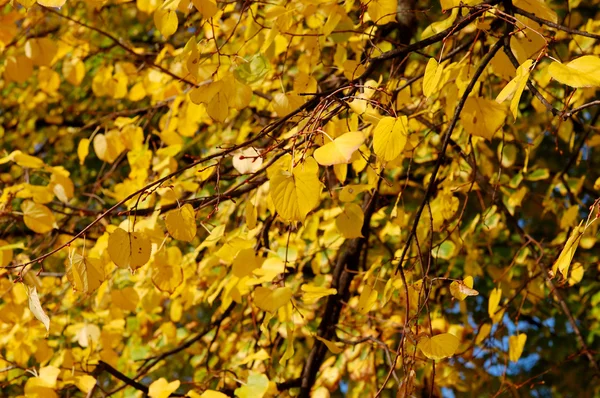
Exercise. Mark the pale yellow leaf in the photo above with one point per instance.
(313, 293)
(37, 217)
(390, 136)
(581, 72)
(161, 388)
(439, 347)
(494, 301)
(340, 150)
(295, 194)
(331, 346)
(432, 77)
(36, 307)
(563, 261)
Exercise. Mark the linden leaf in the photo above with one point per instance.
(462, 289)
(331, 346)
(166, 21)
(83, 149)
(295, 194)
(86, 274)
(484, 332)
(539, 8)
(581, 72)
(432, 77)
(438, 347)
(340, 150)
(515, 346)
(6, 253)
(516, 86)
(271, 300)
(256, 386)
(18, 69)
(213, 394)
(129, 249)
(439, 26)
(313, 293)
(85, 383)
(368, 298)
(390, 136)
(494, 301)
(167, 273)
(37, 217)
(161, 388)
(52, 3)
(181, 223)
(563, 261)
(382, 11)
(350, 221)
(208, 8)
(482, 117)
(36, 307)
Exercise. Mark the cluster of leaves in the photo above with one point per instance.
(377, 197)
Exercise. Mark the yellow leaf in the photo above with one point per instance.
(208, 8)
(349, 192)
(390, 136)
(36, 307)
(515, 346)
(18, 69)
(368, 298)
(462, 289)
(41, 51)
(52, 3)
(484, 332)
(440, 26)
(350, 221)
(86, 274)
(73, 70)
(61, 185)
(482, 117)
(537, 7)
(245, 262)
(181, 223)
(494, 301)
(438, 347)
(85, 383)
(340, 150)
(215, 235)
(432, 77)
(129, 249)
(251, 215)
(167, 273)
(382, 11)
(260, 355)
(6, 253)
(516, 86)
(83, 149)
(24, 160)
(284, 104)
(37, 218)
(331, 346)
(581, 72)
(256, 386)
(165, 21)
(213, 394)
(563, 261)
(313, 293)
(576, 274)
(247, 161)
(271, 300)
(48, 80)
(295, 194)
(48, 375)
(218, 108)
(161, 388)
